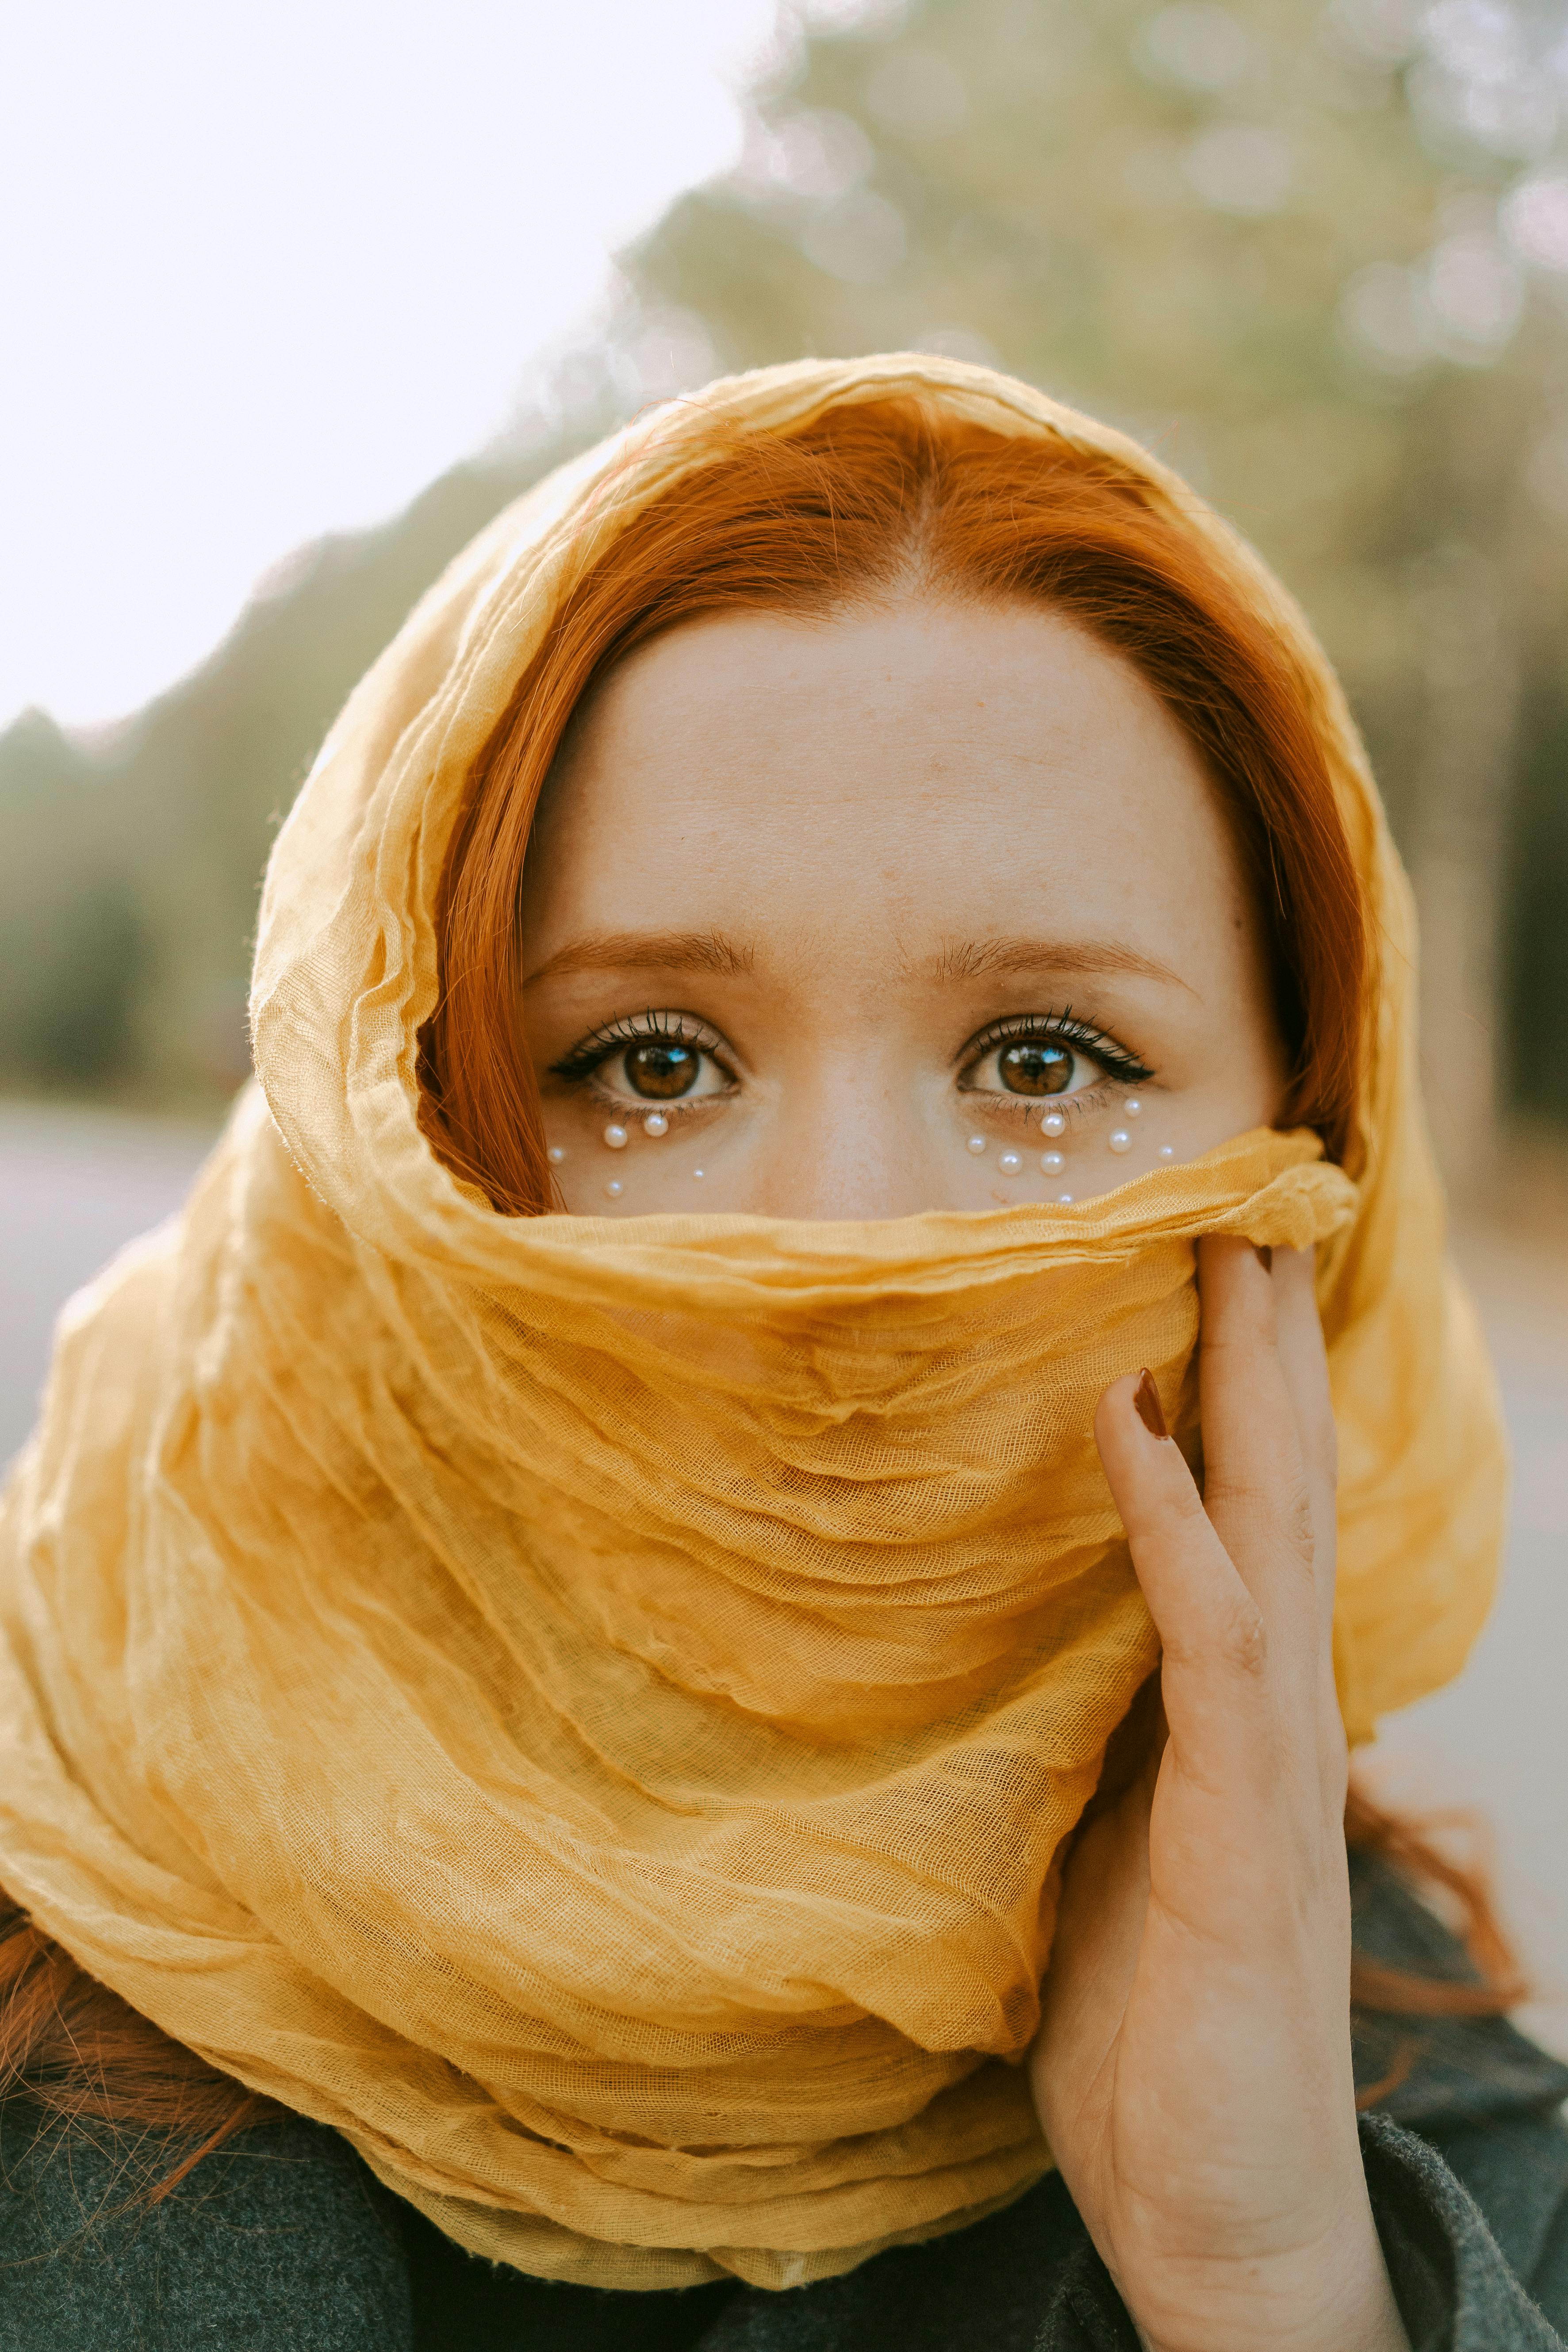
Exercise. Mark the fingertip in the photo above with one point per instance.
(1116, 1401)
(1235, 1279)
(1230, 1268)
(1295, 1290)
(1131, 1408)
(1116, 1417)
(1147, 1406)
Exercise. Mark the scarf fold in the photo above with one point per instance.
(591, 1708)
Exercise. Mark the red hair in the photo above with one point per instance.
(869, 504)
(78, 2054)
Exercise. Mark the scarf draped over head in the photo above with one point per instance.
(589, 1708)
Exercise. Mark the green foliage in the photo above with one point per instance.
(1183, 234)
(1313, 253)
(1537, 970)
(75, 950)
(129, 871)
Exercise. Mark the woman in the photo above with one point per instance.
(586, 1621)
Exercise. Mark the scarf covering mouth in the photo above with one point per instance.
(590, 1709)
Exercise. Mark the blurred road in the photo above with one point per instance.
(1496, 1741)
(75, 1185)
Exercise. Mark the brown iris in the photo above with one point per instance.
(661, 1068)
(1033, 1067)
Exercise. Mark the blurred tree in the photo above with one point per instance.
(1292, 246)
(1316, 253)
(1538, 901)
(129, 866)
(75, 949)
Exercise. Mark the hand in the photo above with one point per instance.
(1192, 2069)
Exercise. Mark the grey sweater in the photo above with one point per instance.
(283, 2241)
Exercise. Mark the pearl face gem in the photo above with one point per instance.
(614, 1190)
(1166, 1151)
(1064, 1200)
(1053, 1123)
(697, 1171)
(976, 1144)
(616, 1137)
(1052, 1163)
(1133, 1107)
(1010, 1162)
(555, 1155)
(655, 1123)
(1119, 1139)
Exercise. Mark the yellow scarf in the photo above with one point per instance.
(589, 1708)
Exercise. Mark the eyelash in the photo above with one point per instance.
(616, 1035)
(1061, 1028)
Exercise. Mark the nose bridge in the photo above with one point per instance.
(846, 1138)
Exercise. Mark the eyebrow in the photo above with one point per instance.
(648, 951)
(711, 951)
(985, 959)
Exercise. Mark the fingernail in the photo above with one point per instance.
(1146, 1397)
(1264, 1256)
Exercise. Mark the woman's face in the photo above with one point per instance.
(931, 907)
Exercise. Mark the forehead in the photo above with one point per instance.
(958, 764)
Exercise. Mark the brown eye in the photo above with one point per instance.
(661, 1068)
(1035, 1066)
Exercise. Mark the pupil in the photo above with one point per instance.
(662, 1069)
(1033, 1067)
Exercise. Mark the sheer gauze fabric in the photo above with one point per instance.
(590, 1709)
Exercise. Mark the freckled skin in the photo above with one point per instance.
(851, 804)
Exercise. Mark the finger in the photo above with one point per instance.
(1255, 1486)
(1210, 1628)
(1304, 1361)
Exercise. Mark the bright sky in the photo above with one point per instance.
(269, 269)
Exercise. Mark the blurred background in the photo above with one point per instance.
(296, 299)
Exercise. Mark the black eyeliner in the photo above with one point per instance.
(1062, 1028)
(612, 1036)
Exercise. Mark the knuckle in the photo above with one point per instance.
(1256, 1517)
(1228, 1638)
(1241, 1503)
(1164, 1505)
(1299, 1520)
(1240, 1638)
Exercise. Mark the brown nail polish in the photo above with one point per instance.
(1264, 1256)
(1146, 1397)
